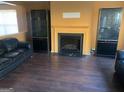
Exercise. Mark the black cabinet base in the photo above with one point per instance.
(106, 48)
(109, 56)
(40, 45)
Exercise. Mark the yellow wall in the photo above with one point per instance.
(81, 25)
(22, 22)
(87, 23)
(107, 4)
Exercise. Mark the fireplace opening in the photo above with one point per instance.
(70, 44)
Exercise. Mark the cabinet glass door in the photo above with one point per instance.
(39, 23)
(109, 24)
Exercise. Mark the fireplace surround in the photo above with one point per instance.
(70, 44)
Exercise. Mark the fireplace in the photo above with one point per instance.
(70, 44)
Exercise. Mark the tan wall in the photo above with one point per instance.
(97, 6)
(22, 23)
(32, 6)
(36, 5)
(81, 25)
(20, 36)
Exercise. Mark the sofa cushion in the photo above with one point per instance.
(21, 50)
(1, 52)
(4, 62)
(10, 44)
(11, 54)
(2, 48)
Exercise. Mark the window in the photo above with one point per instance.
(8, 22)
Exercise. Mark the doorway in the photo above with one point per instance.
(108, 31)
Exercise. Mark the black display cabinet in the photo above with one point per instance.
(108, 31)
(41, 35)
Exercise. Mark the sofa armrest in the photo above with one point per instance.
(120, 55)
(24, 45)
(119, 63)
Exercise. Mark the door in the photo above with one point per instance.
(108, 31)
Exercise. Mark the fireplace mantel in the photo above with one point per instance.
(79, 30)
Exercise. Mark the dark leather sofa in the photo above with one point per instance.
(119, 64)
(12, 53)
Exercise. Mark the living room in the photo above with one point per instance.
(66, 45)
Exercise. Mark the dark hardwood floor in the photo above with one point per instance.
(60, 73)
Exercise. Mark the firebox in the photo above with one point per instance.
(70, 44)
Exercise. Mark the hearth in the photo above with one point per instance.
(70, 44)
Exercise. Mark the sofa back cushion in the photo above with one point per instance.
(10, 44)
(2, 48)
